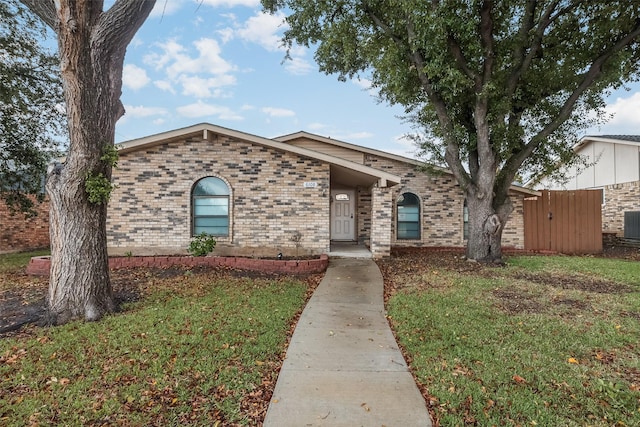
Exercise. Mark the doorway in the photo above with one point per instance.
(343, 215)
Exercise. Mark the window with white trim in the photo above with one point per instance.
(210, 207)
(408, 217)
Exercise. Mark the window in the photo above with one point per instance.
(408, 217)
(210, 207)
(465, 220)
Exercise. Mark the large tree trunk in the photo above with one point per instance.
(486, 224)
(79, 285)
(92, 46)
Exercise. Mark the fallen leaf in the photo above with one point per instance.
(573, 360)
(259, 362)
(365, 407)
(517, 378)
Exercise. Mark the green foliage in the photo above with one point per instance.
(98, 187)
(202, 244)
(188, 353)
(110, 155)
(32, 120)
(544, 341)
(494, 88)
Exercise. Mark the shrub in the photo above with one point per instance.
(202, 244)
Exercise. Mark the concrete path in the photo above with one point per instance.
(343, 366)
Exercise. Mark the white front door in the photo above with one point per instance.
(342, 215)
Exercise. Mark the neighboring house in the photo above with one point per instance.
(613, 166)
(19, 233)
(262, 196)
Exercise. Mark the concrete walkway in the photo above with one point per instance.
(343, 366)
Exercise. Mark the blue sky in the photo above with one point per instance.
(221, 61)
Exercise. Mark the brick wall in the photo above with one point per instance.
(441, 207)
(382, 207)
(18, 233)
(150, 210)
(619, 198)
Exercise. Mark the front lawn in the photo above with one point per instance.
(547, 341)
(189, 348)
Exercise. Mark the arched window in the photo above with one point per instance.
(408, 217)
(210, 207)
(465, 220)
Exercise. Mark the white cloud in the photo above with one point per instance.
(298, 66)
(208, 60)
(205, 88)
(200, 74)
(231, 3)
(278, 112)
(626, 119)
(265, 30)
(226, 34)
(134, 77)
(201, 109)
(165, 86)
(142, 111)
(166, 7)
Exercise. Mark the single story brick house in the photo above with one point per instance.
(295, 194)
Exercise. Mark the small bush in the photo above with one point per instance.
(202, 244)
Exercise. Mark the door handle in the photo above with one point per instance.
(351, 216)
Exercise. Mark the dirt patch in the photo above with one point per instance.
(515, 301)
(580, 283)
(620, 252)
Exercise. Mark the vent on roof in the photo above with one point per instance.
(632, 225)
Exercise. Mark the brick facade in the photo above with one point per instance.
(442, 203)
(18, 233)
(618, 199)
(150, 210)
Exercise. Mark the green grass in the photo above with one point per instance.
(194, 351)
(547, 341)
(11, 263)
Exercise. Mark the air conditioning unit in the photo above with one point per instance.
(632, 225)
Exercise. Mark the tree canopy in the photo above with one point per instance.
(31, 106)
(497, 86)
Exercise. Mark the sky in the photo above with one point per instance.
(222, 62)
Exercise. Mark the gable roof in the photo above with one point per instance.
(613, 139)
(353, 169)
(384, 154)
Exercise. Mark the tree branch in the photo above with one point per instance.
(459, 58)
(45, 10)
(117, 26)
(588, 78)
(525, 61)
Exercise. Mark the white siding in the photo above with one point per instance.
(627, 167)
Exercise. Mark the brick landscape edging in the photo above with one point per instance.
(40, 265)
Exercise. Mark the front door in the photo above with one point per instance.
(342, 215)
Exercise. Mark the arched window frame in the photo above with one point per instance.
(214, 215)
(408, 217)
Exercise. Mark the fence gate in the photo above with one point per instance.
(564, 221)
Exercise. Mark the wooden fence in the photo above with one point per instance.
(564, 221)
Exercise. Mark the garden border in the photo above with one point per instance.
(40, 265)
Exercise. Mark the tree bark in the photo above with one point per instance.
(486, 225)
(92, 46)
